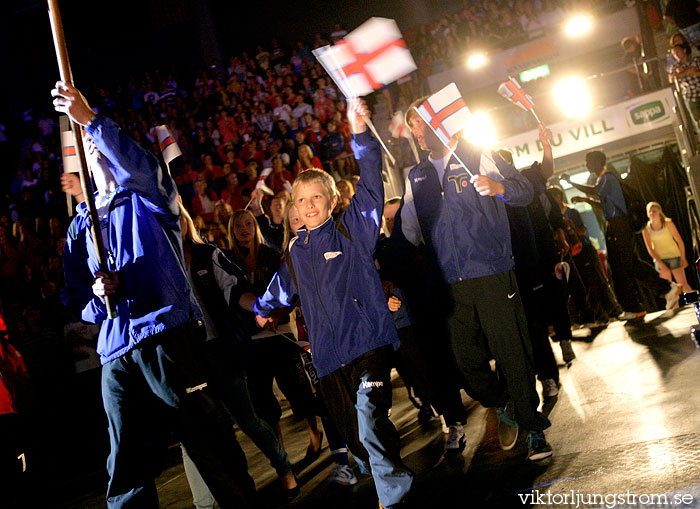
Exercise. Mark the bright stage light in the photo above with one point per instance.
(573, 97)
(479, 130)
(578, 26)
(477, 60)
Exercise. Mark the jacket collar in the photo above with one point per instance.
(303, 233)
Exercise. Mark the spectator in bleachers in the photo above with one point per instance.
(686, 70)
(305, 160)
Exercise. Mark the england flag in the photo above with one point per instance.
(445, 112)
(398, 127)
(260, 184)
(368, 58)
(167, 144)
(512, 91)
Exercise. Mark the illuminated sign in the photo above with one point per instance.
(536, 72)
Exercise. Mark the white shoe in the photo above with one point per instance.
(342, 474)
(550, 388)
(456, 440)
(672, 296)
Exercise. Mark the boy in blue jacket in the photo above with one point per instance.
(152, 349)
(350, 328)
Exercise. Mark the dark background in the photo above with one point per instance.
(109, 40)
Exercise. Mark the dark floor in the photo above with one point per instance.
(625, 431)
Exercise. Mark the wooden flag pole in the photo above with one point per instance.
(67, 76)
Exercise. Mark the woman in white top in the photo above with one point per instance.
(665, 246)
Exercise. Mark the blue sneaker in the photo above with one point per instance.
(537, 446)
(507, 427)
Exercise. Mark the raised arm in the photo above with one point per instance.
(547, 166)
(363, 218)
(132, 167)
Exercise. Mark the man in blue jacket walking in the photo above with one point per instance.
(351, 330)
(462, 220)
(152, 350)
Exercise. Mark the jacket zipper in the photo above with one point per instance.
(449, 222)
(318, 294)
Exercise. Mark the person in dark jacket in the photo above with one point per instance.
(151, 350)
(222, 290)
(462, 220)
(275, 357)
(350, 329)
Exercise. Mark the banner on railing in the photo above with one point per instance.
(623, 120)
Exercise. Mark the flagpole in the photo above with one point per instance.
(66, 74)
(450, 149)
(535, 115)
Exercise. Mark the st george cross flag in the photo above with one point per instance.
(445, 112)
(372, 56)
(71, 161)
(167, 144)
(398, 127)
(260, 184)
(512, 91)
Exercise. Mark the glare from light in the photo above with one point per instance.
(477, 60)
(573, 97)
(578, 25)
(480, 131)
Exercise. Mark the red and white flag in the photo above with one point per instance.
(445, 112)
(168, 145)
(398, 127)
(71, 161)
(512, 91)
(370, 57)
(260, 184)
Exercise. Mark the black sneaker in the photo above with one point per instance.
(537, 446)
(425, 414)
(507, 427)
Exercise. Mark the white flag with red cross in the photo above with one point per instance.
(260, 184)
(168, 145)
(71, 161)
(372, 56)
(445, 112)
(398, 127)
(512, 91)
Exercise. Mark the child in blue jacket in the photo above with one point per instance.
(350, 328)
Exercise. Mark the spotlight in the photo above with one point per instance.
(477, 60)
(578, 26)
(573, 97)
(479, 130)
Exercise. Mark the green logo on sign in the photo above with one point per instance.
(648, 112)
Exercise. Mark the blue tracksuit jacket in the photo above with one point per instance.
(341, 293)
(469, 233)
(144, 247)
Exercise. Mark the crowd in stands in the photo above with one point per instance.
(273, 108)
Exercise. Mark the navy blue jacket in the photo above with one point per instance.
(468, 233)
(344, 304)
(144, 247)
